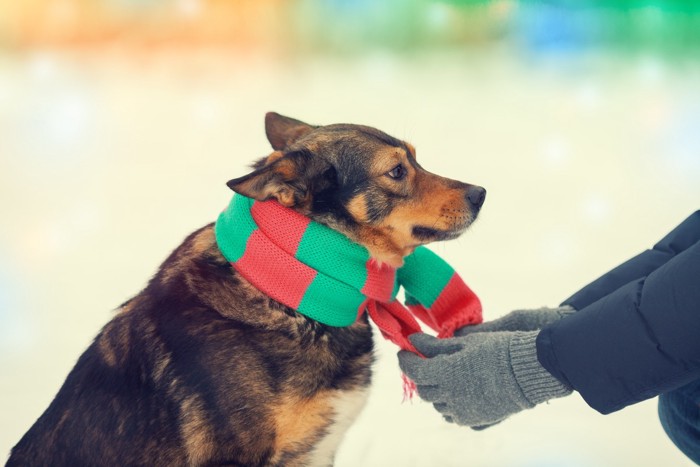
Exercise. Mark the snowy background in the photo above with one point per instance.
(121, 121)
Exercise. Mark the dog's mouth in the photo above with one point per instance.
(457, 223)
(428, 234)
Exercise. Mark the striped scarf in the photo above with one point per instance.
(327, 277)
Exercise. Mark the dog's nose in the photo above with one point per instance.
(476, 196)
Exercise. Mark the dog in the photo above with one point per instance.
(202, 368)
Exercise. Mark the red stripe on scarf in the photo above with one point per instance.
(456, 306)
(273, 271)
(456, 296)
(283, 226)
(395, 323)
(380, 281)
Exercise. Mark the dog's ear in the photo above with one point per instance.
(283, 131)
(282, 179)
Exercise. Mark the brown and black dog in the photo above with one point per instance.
(201, 368)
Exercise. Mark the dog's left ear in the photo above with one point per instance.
(283, 131)
(283, 179)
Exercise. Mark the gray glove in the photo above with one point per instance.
(520, 320)
(482, 378)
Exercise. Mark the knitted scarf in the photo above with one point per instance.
(324, 275)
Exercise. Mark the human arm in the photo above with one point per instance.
(633, 344)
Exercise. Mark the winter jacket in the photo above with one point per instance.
(637, 332)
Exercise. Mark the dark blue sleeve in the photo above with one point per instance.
(639, 341)
(678, 240)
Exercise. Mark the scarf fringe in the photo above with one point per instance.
(409, 388)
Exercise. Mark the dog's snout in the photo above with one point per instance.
(476, 196)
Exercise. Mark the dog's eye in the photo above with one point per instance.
(397, 173)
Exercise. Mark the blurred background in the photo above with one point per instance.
(121, 121)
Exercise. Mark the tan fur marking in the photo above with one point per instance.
(201, 243)
(113, 342)
(107, 351)
(195, 431)
(285, 196)
(386, 159)
(358, 208)
(381, 245)
(315, 144)
(55, 433)
(273, 157)
(128, 306)
(347, 405)
(160, 366)
(411, 149)
(275, 187)
(430, 212)
(300, 422)
(286, 169)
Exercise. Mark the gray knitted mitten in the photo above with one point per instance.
(520, 320)
(481, 378)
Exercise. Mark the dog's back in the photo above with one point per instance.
(197, 366)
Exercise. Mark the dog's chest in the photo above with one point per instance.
(346, 407)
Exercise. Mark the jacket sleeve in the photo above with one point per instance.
(678, 240)
(638, 341)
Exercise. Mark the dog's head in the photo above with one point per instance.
(361, 182)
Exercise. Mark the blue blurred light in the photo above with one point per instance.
(682, 152)
(551, 28)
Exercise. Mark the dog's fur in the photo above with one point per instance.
(201, 368)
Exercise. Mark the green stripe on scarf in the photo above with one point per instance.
(331, 302)
(233, 228)
(411, 278)
(343, 261)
